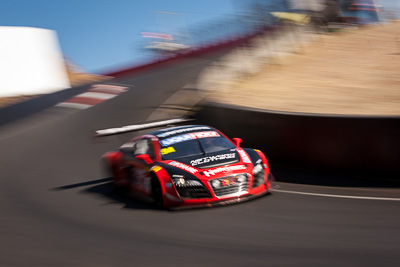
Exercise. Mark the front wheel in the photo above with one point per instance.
(157, 193)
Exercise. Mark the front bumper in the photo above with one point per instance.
(176, 203)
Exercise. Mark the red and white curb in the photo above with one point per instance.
(99, 93)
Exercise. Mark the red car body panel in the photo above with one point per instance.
(236, 176)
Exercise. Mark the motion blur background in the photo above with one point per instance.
(313, 84)
(101, 35)
(94, 38)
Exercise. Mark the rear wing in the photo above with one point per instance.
(137, 127)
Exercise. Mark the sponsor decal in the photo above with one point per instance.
(244, 156)
(188, 136)
(184, 167)
(167, 150)
(156, 168)
(204, 134)
(182, 131)
(224, 169)
(176, 139)
(228, 181)
(212, 158)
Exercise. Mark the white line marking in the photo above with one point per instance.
(337, 196)
(131, 128)
(73, 105)
(97, 95)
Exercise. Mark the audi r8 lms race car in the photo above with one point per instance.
(189, 166)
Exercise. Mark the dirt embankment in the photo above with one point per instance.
(352, 72)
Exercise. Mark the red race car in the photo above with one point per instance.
(188, 166)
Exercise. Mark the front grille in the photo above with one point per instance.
(230, 185)
(193, 192)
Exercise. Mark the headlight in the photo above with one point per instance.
(216, 183)
(184, 182)
(257, 169)
(190, 187)
(241, 178)
(258, 175)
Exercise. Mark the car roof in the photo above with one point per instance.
(174, 131)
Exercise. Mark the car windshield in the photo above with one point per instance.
(201, 146)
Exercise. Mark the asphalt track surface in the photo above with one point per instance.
(58, 209)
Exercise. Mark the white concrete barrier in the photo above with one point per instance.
(31, 62)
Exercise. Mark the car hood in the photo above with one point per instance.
(212, 165)
(210, 160)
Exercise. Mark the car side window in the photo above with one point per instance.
(144, 146)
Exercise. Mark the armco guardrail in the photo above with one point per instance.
(210, 37)
(215, 47)
(354, 145)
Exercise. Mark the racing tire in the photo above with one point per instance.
(157, 193)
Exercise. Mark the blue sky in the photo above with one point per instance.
(104, 35)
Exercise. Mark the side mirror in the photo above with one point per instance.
(146, 158)
(237, 141)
